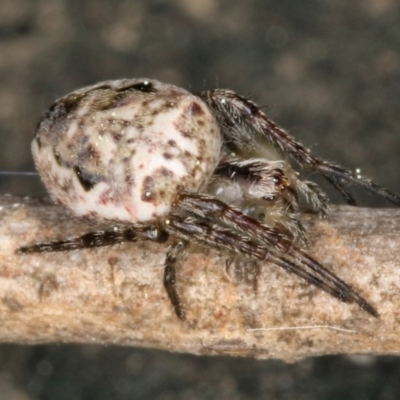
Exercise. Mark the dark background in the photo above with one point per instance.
(329, 72)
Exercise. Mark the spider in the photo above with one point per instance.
(154, 162)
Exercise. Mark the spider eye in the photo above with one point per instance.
(279, 179)
(253, 108)
(248, 109)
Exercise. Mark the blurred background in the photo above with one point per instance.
(328, 71)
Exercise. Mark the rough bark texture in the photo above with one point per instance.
(115, 295)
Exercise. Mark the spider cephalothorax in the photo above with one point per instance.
(155, 161)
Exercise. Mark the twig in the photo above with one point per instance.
(115, 295)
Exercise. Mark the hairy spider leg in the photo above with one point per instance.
(109, 238)
(206, 207)
(134, 233)
(265, 243)
(241, 118)
(295, 262)
(174, 252)
(260, 179)
(317, 275)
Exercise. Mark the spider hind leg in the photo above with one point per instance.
(117, 236)
(98, 239)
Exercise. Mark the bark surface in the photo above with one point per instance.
(115, 295)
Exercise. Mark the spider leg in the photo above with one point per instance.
(317, 275)
(264, 189)
(259, 179)
(99, 239)
(173, 254)
(204, 208)
(244, 125)
(314, 196)
(333, 173)
(264, 243)
(109, 238)
(271, 179)
(199, 231)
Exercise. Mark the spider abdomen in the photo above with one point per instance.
(122, 150)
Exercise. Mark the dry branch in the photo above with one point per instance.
(115, 295)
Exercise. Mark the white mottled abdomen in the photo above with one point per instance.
(122, 150)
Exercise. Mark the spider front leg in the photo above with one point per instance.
(216, 224)
(263, 190)
(245, 127)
